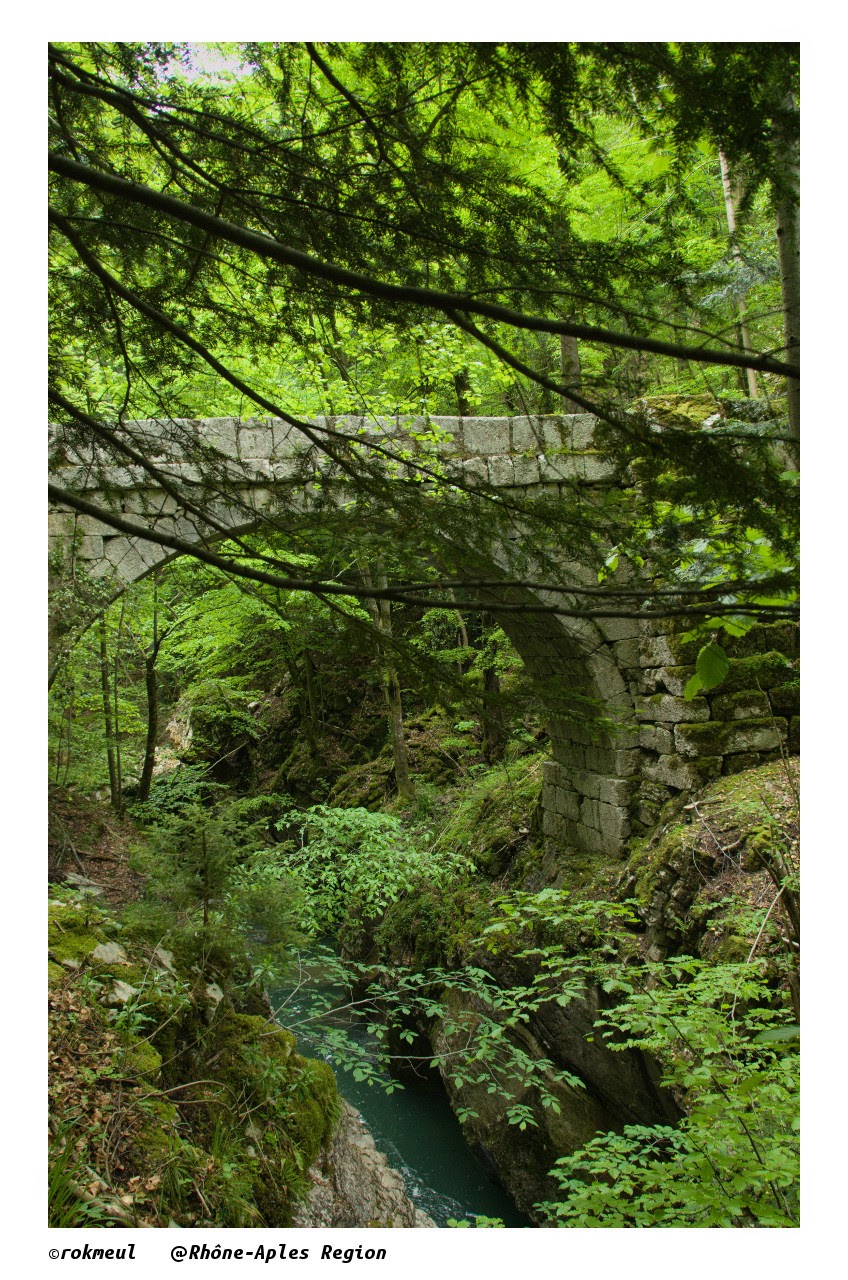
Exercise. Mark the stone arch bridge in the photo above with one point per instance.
(600, 787)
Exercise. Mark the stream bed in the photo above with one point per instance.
(414, 1126)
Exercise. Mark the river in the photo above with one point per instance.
(414, 1126)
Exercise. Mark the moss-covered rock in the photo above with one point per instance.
(140, 1058)
(71, 934)
(683, 412)
(759, 671)
(719, 738)
(704, 862)
(745, 704)
(786, 698)
(765, 637)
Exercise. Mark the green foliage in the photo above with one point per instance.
(66, 1202)
(480, 1220)
(209, 902)
(733, 1160)
(188, 786)
(354, 861)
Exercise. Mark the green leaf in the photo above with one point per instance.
(776, 1035)
(711, 666)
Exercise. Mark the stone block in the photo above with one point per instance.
(283, 436)
(387, 427)
(486, 436)
(627, 762)
(760, 671)
(597, 469)
(127, 560)
(348, 425)
(593, 840)
(178, 527)
(668, 679)
(667, 651)
(550, 437)
(571, 754)
(578, 430)
(560, 469)
(474, 471)
(726, 737)
(616, 791)
(526, 471)
(220, 434)
(590, 812)
(655, 738)
(183, 473)
(664, 707)
(258, 442)
(567, 804)
(61, 524)
(767, 637)
(748, 704)
(786, 697)
(744, 760)
(555, 774)
(501, 471)
(626, 652)
(89, 547)
(524, 435)
(556, 827)
(683, 775)
(285, 469)
(611, 762)
(619, 628)
(615, 825)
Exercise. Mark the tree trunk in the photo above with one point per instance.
(309, 669)
(107, 715)
(151, 684)
(570, 364)
(787, 210)
(381, 615)
(730, 210)
(462, 386)
(493, 726)
(118, 800)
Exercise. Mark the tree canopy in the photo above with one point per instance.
(431, 228)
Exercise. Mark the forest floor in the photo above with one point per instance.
(88, 841)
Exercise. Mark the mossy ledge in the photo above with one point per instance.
(196, 1109)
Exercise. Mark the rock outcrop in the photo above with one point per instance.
(353, 1185)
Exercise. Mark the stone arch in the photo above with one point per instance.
(604, 782)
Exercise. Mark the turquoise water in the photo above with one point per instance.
(414, 1126)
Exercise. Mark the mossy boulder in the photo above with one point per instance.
(704, 861)
(686, 413)
(251, 1054)
(139, 1058)
(72, 932)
